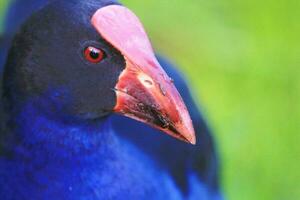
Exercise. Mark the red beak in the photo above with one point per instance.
(144, 91)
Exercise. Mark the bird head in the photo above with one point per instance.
(89, 59)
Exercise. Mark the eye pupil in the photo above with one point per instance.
(93, 54)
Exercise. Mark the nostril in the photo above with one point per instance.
(148, 82)
(145, 80)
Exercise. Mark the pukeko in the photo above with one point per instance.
(68, 66)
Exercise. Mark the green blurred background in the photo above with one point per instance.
(242, 59)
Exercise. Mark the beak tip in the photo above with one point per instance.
(188, 132)
(189, 137)
(192, 139)
(193, 142)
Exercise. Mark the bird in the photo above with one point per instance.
(88, 108)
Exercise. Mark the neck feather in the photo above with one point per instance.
(35, 135)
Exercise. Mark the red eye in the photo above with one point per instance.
(93, 54)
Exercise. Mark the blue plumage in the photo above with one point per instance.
(59, 161)
(118, 158)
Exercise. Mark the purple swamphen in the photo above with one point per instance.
(66, 67)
